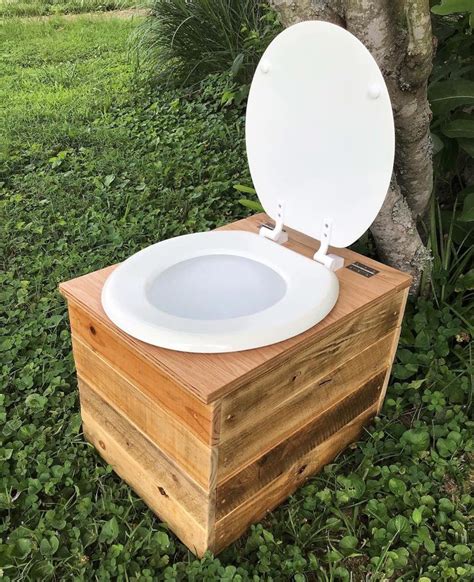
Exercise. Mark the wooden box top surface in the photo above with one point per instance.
(210, 376)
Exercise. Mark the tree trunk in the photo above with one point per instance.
(398, 34)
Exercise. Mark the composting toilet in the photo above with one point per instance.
(320, 146)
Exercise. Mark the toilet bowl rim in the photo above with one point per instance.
(301, 299)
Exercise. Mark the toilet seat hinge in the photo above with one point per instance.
(276, 233)
(330, 261)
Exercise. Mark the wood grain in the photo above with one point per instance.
(176, 400)
(154, 477)
(170, 435)
(326, 353)
(211, 376)
(250, 428)
(393, 348)
(235, 523)
(236, 489)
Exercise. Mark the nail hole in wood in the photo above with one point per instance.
(92, 329)
(162, 491)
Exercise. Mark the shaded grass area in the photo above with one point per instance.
(9, 8)
(96, 166)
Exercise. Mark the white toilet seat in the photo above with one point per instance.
(320, 146)
(269, 293)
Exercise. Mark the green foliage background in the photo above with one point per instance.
(183, 41)
(96, 164)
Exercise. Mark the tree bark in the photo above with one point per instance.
(292, 12)
(398, 34)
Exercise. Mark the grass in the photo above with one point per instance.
(57, 75)
(96, 165)
(10, 8)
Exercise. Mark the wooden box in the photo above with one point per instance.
(211, 442)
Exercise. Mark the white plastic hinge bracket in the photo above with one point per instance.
(330, 261)
(276, 233)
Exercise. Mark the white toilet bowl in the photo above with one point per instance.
(320, 145)
(218, 292)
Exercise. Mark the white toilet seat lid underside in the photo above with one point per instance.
(320, 132)
(218, 292)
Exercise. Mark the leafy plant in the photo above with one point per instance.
(451, 93)
(250, 203)
(182, 41)
(451, 90)
(448, 7)
(452, 244)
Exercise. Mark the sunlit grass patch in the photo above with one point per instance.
(46, 7)
(57, 74)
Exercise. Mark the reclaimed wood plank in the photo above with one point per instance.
(393, 349)
(149, 472)
(170, 395)
(269, 410)
(235, 523)
(319, 357)
(253, 477)
(148, 416)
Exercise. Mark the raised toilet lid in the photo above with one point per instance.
(319, 131)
